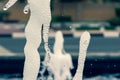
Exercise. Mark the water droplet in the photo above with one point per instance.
(5, 8)
(91, 64)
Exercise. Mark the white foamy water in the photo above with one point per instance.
(9, 4)
(60, 62)
(83, 45)
(40, 16)
(108, 77)
(99, 77)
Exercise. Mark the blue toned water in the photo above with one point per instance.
(105, 77)
(99, 77)
(97, 45)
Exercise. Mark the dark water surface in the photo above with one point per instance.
(107, 68)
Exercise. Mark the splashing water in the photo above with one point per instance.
(99, 77)
(60, 63)
(9, 4)
(26, 9)
(84, 43)
(41, 16)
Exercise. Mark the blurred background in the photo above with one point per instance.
(100, 17)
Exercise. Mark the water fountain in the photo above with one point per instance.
(61, 62)
(84, 43)
(65, 60)
(40, 17)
